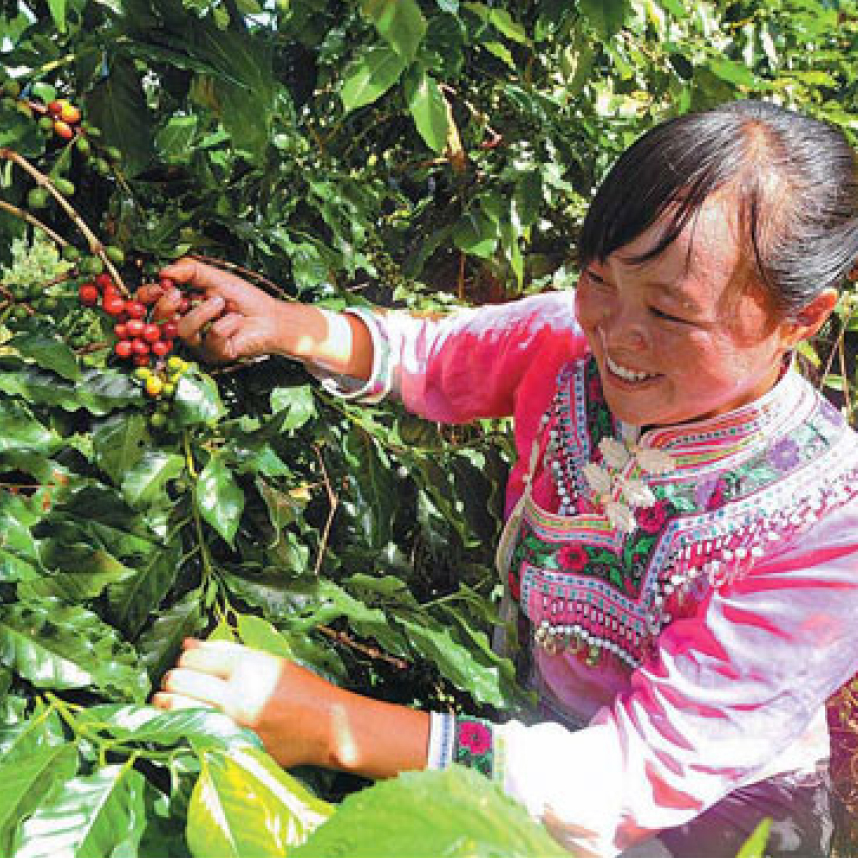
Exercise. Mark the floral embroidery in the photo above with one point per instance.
(653, 518)
(670, 527)
(573, 558)
(784, 454)
(474, 745)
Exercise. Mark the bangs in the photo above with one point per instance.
(675, 167)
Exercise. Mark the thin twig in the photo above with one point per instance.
(334, 502)
(33, 221)
(371, 651)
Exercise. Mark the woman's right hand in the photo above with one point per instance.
(235, 320)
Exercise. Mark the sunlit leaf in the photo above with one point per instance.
(244, 804)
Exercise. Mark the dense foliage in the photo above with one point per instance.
(385, 150)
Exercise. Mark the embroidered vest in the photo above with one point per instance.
(744, 486)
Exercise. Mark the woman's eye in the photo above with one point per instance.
(660, 314)
(591, 275)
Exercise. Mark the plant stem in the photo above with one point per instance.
(33, 221)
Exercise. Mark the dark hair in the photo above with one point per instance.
(797, 183)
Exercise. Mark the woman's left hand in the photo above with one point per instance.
(286, 705)
(301, 718)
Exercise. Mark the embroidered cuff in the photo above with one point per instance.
(474, 745)
(378, 385)
(442, 732)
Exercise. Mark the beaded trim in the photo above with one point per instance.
(738, 489)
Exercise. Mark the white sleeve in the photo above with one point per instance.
(466, 364)
(729, 691)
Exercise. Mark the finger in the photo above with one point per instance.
(220, 338)
(165, 700)
(198, 686)
(168, 304)
(203, 277)
(215, 661)
(190, 325)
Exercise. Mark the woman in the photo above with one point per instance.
(681, 543)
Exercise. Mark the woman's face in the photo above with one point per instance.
(679, 337)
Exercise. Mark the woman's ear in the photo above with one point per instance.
(810, 318)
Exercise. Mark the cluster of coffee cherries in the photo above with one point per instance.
(138, 338)
(62, 116)
(160, 384)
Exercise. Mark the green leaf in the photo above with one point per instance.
(146, 725)
(44, 728)
(135, 596)
(527, 199)
(160, 644)
(48, 353)
(99, 391)
(370, 76)
(503, 21)
(66, 646)
(605, 16)
(477, 234)
(301, 402)
(26, 782)
(399, 22)
(755, 845)
(118, 443)
(21, 431)
(245, 805)
(197, 401)
(145, 482)
(456, 812)
(175, 138)
(218, 498)
(733, 72)
(83, 572)
(98, 816)
(242, 83)
(58, 13)
(428, 109)
(117, 105)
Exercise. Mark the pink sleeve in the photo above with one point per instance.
(732, 696)
(482, 362)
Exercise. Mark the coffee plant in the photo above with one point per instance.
(423, 154)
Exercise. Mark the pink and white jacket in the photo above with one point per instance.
(692, 590)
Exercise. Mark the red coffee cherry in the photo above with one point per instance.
(139, 347)
(135, 327)
(121, 331)
(169, 330)
(135, 309)
(123, 348)
(141, 360)
(104, 281)
(161, 348)
(113, 306)
(88, 294)
(151, 333)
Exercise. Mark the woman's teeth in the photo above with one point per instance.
(627, 374)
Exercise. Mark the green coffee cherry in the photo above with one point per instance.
(92, 265)
(12, 88)
(70, 253)
(37, 198)
(65, 187)
(115, 254)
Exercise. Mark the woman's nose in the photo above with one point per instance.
(624, 330)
